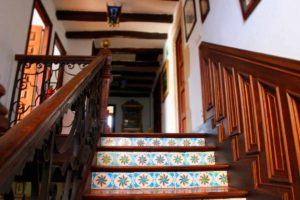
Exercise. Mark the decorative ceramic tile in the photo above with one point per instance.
(131, 141)
(155, 158)
(138, 180)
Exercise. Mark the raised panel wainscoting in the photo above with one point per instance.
(261, 123)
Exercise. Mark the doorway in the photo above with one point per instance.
(180, 84)
(38, 42)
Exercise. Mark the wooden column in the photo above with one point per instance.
(4, 123)
(106, 79)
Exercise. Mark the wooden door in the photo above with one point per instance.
(27, 92)
(180, 84)
(157, 106)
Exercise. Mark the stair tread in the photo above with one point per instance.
(157, 148)
(159, 168)
(157, 135)
(190, 193)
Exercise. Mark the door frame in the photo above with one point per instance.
(37, 4)
(179, 106)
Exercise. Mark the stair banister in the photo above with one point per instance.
(36, 138)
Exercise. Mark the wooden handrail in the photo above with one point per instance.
(53, 59)
(17, 146)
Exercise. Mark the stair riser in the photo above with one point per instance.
(123, 141)
(151, 180)
(155, 158)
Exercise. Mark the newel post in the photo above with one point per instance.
(4, 123)
(106, 79)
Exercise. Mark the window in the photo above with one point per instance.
(111, 117)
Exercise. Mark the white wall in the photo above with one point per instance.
(147, 112)
(14, 22)
(169, 107)
(272, 29)
(80, 47)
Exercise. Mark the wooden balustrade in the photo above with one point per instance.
(34, 151)
(38, 77)
(254, 99)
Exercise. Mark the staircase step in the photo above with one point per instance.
(157, 135)
(114, 158)
(150, 141)
(158, 149)
(174, 193)
(139, 180)
(160, 169)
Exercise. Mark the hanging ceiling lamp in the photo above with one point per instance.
(113, 13)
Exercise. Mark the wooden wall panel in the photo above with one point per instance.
(219, 91)
(294, 109)
(232, 106)
(249, 113)
(254, 100)
(275, 142)
(209, 97)
(207, 80)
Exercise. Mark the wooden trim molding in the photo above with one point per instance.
(37, 4)
(104, 34)
(255, 100)
(102, 16)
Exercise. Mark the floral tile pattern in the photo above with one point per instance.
(155, 158)
(124, 141)
(139, 180)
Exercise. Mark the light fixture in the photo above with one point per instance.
(113, 13)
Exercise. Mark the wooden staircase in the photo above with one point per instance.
(158, 166)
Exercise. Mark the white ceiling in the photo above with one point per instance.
(128, 6)
(124, 26)
(131, 43)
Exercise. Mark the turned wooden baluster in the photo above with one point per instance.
(105, 84)
(4, 123)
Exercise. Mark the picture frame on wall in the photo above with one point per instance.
(190, 17)
(164, 84)
(204, 9)
(247, 7)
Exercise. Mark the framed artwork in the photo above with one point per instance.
(190, 18)
(248, 6)
(204, 9)
(164, 81)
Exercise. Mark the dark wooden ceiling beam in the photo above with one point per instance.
(125, 94)
(108, 34)
(131, 89)
(139, 82)
(134, 69)
(136, 63)
(136, 74)
(134, 78)
(102, 17)
(134, 50)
